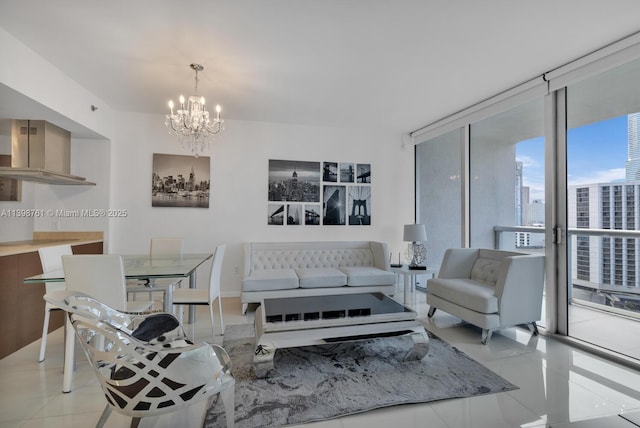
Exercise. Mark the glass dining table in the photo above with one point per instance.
(139, 267)
(143, 268)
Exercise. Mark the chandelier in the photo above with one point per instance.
(191, 122)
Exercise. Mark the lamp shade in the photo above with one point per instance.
(415, 233)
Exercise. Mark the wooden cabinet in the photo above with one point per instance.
(91, 248)
(21, 305)
(8, 304)
(30, 303)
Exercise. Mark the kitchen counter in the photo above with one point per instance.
(45, 239)
(21, 305)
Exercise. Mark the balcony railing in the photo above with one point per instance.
(622, 299)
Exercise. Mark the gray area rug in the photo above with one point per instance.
(315, 383)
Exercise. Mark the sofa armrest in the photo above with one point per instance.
(457, 263)
(380, 253)
(520, 287)
(247, 259)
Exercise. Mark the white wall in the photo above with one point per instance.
(29, 74)
(239, 175)
(44, 91)
(14, 228)
(73, 208)
(90, 159)
(239, 163)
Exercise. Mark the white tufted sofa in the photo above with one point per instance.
(291, 269)
(491, 289)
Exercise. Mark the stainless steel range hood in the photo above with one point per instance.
(41, 152)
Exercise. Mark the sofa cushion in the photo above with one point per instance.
(471, 294)
(321, 277)
(271, 279)
(362, 276)
(486, 270)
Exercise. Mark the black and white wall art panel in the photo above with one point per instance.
(311, 193)
(180, 181)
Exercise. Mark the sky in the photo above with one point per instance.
(165, 165)
(596, 153)
(283, 170)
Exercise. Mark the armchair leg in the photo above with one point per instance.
(533, 327)
(486, 335)
(104, 416)
(228, 399)
(432, 310)
(244, 308)
(135, 422)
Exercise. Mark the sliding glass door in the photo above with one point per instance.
(551, 168)
(603, 187)
(507, 180)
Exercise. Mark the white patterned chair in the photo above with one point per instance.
(146, 365)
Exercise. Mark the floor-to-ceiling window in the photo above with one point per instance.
(438, 193)
(603, 182)
(557, 171)
(507, 181)
(507, 178)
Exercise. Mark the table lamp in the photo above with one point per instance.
(416, 251)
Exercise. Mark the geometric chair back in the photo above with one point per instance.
(145, 364)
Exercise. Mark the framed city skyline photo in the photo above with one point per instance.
(359, 205)
(330, 171)
(275, 214)
(312, 214)
(180, 181)
(294, 214)
(294, 181)
(334, 205)
(313, 193)
(363, 173)
(347, 173)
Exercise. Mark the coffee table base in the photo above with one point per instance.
(268, 342)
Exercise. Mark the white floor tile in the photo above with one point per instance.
(495, 410)
(406, 416)
(604, 422)
(557, 384)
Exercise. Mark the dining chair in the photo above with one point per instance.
(146, 365)
(161, 249)
(198, 296)
(166, 247)
(102, 277)
(51, 260)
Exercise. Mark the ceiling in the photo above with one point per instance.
(392, 65)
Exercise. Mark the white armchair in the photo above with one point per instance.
(491, 289)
